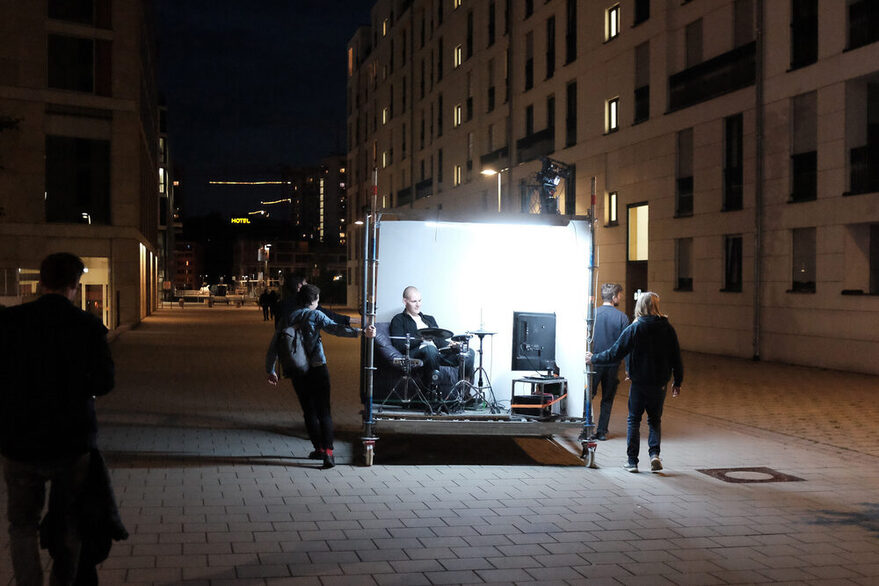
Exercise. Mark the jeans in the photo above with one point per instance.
(313, 390)
(607, 377)
(642, 398)
(26, 486)
(433, 359)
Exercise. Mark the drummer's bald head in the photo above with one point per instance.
(409, 292)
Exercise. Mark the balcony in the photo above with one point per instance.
(496, 159)
(725, 73)
(534, 146)
(424, 188)
(404, 196)
(864, 169)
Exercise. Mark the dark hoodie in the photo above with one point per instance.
(654, 353)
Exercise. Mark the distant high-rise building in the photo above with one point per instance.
(732, 146)
(80, 157)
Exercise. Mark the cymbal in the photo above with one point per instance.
(461, 337)
(435, 333)
(481, 333)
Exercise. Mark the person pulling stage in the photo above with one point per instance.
(410, 321)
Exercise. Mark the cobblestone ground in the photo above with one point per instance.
(210, 471)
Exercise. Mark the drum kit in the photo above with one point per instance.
(464, 393)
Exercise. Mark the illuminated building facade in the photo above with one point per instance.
(733, 146)
(79, 150)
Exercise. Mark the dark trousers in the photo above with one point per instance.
(265, 313)
(26, 486)
(649, 398)
(606, 376)
(313, 390)
(433, 359)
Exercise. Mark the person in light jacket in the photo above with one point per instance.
(313, 387)
(654, 357)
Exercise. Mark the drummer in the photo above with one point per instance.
(409, 322)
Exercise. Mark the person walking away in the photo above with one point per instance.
(312, 387)
(54, 360)
(265, 304)
(651, 344)
(609, 324)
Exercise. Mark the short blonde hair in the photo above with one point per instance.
(648, 304)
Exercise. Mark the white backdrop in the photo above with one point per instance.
(475, 275)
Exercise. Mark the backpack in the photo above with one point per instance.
(290, 346)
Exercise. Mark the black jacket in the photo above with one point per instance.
(54, 359)
(402, 324)
(654, 353)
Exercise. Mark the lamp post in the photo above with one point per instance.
(490, 171)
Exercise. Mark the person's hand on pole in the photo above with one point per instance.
(675, 391)
(272, 379)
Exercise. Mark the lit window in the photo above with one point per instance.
(457, 3)
(612, 209)
(613, 119)
(386, 159)
(458, 56)
(459, 175)
(386, 115)
(385, 25)
(457, 115)
(613, 21)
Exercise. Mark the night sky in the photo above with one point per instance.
(252, 86)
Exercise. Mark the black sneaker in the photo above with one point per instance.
(316, 455)
(598, 437)
(329, 461)
(631, 467)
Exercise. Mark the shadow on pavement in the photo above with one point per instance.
(458, 450)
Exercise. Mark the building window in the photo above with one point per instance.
(571, 115)
(469, 34)
(684, 264)
(613, 22)
(732, 166)
(385, 26)
(550, 114)
(642, 82)
(457, 4)
(439, 115)
(458, 115)
(77, 180)
(459, 175)
(550, 47)
(863, 23)
(804, 149)
(803, 33)
(642, 11)
(458, 56)
(693, 44)
(529, 8)
(743, 22)
(613, 115)
(529, 61)
(491, 90)
(78, 64)
(570, 31)
(684, 178)
(386, 115)
(803, 260)
(613, 206)
(439, 59)
(386, 159)
(529, 120)
(732, 263)
(439, 166)
(492, 22)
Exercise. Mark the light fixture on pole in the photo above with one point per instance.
(490, 171)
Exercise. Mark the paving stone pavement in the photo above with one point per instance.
(209, 467)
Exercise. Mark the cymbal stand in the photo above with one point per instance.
(406, 379)
(463, 387)
(480, 388)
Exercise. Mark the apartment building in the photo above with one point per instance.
(79, 150)
(731, 146)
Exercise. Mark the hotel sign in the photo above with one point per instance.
(240, 220)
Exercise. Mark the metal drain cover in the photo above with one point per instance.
(756, 475)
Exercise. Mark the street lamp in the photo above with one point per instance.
(498, 173)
